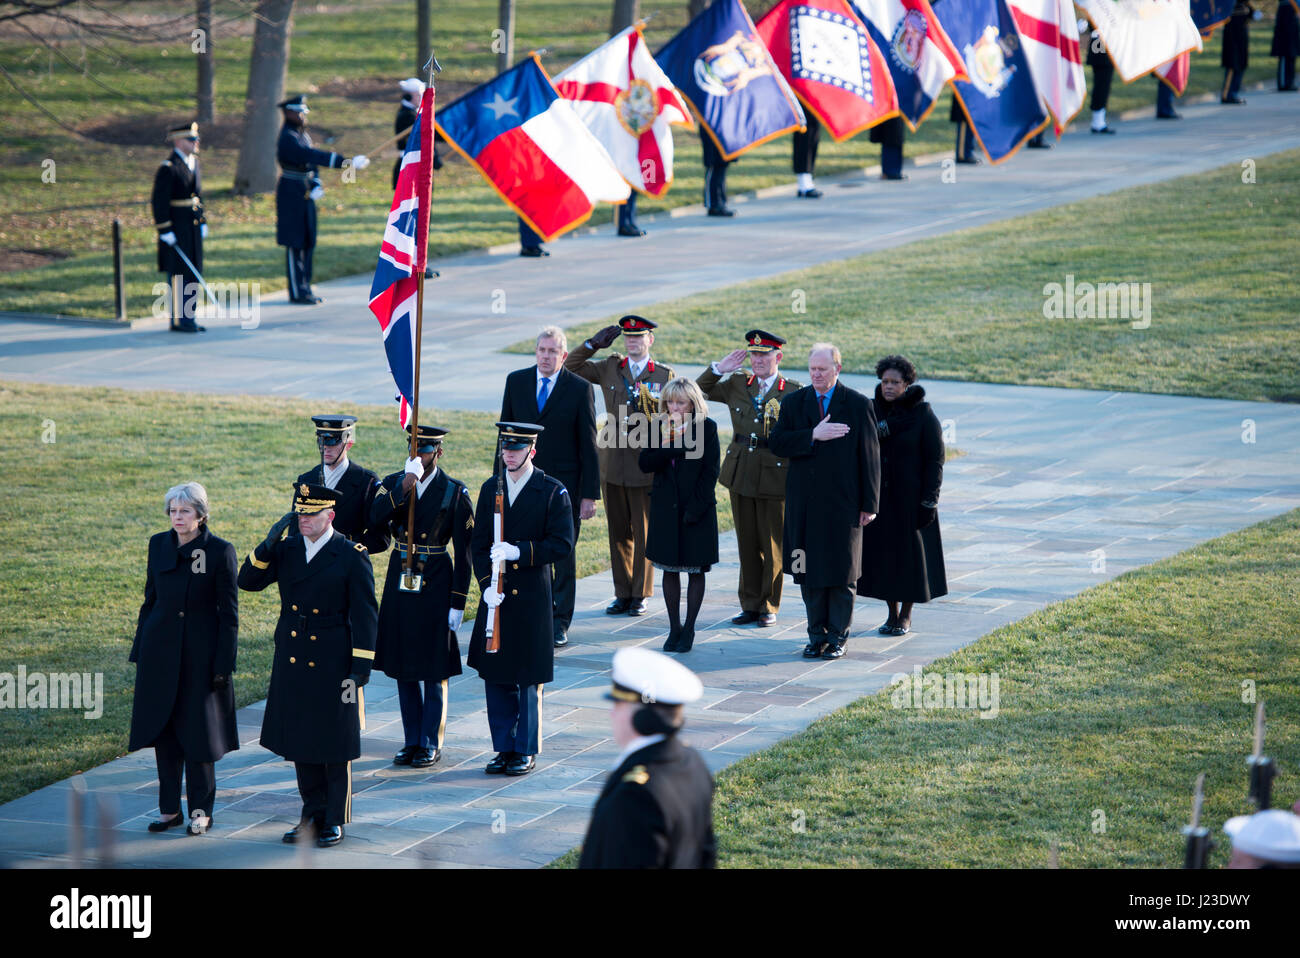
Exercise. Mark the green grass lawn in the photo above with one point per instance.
(1218, 253)
(1110, 705)
(349, 59)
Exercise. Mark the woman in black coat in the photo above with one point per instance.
(683, 533)
(184, 650)
(902, 554)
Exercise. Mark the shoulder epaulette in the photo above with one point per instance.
(359, 547)
(637, 775)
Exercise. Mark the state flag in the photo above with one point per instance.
(1050, 34)
(1142, 34)
(920, 55)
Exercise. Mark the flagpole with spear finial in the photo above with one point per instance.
(409, 581)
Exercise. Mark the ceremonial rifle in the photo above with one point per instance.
(1262, 768)
(493, 633)
(1198, 836)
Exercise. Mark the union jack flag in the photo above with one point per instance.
(402, 257)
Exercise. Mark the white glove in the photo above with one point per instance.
(169, 238)
(503, 550)
(360, 162)
(317, 192)
(203, 231)
(454, 618)
(414, 467)
(493, 598)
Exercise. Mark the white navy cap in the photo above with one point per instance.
(413, 86)
(643, 675)
(1272, 834)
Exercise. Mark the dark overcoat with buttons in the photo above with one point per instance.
(177, 203)
(358, 486)
(186, 633)
(326, 633)
(655, 811)
(683, 508)
(415, 642)
(901, 562)
(540, 523)
(295, 210)
(1236, 38)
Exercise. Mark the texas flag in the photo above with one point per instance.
(1049, 33)
(531, 146)
(630, 105)
(824, 51)
(395, 288)
(919, 53)
(1140, 35)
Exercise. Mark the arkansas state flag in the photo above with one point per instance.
(394, 289)
(1050, 34)
(529, 144)
(920, 56)
(1000, 100)
(826, 54)
(1142, 34)
(728, 78)
(630, 105)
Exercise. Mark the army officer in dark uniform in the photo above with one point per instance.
(751, 471)
(356, 485)
(324, 646)
(536, 530)
(178, 217)
(296, 194)
(656, 809)
(418, 624)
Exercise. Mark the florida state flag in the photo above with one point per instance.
(825, 52)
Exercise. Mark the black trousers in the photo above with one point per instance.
(297, 265)
(715, 173)
(805, 145)
(528, 239)
(830, 612)
(1164, 99)
(564, 582)
(200, 777)
(1103, 71)
(326, 792)
(627, 213)
(1285, 73)
(184, 309)
(891, 161)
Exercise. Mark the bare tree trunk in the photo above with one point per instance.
(626, 13)
(504, 42)
(696, 7)
(267, 70)
(423, 35)
(207, 104)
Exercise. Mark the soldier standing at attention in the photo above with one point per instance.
(754, 475)
(356, 485)
(631, 387)
(296, 194)
(177, 203)
(324, 645)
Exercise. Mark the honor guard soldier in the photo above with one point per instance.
(751, 471)
(522, 524)
(630, 386)
(656, 809)
(1236, 52)
(418, 620)
(324, 646)
(296, 194)
(178, 217)
(357, 486)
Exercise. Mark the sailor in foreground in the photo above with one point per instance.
(356, 485)
(656, 809)
(324, 645)
(1267, 839)
(523, 523)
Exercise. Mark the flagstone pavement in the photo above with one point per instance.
(1059, 490)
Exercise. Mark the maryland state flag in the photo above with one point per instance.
(825, 52)
(1000, 101)
(725, 73)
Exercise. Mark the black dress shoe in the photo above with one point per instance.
(721, 211)
(522, 765)
(899, 176)
(813, 194)
(618, 607)
(766, 619)
(813, 650)
(685, 640)
(973, 160)
(431, 273)
(901, 628)
(306, 828)
(498, 765)
(1234, 100)
(189, 328)
(1104, 129)
(405, 756)
(1169, 116)
(637, 607)
(1037, 144)
(561, 639)
(630, 231)
(165, 823)
(833, 650)
(744, 618)
(330, 835)
(533, 251)
(424, 757)
(888, 627)
(674, 635)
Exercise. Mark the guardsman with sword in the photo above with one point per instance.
(178, 217)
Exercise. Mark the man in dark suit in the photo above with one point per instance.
(178, 217)
(551, 396)
(356, 485)
(324, 646)
(828, 432)
(513, 569)
(656, 809)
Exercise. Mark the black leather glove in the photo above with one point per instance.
(359, 680)
(220, 683)
(925, 517)
(278, 529)
(605, 338)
